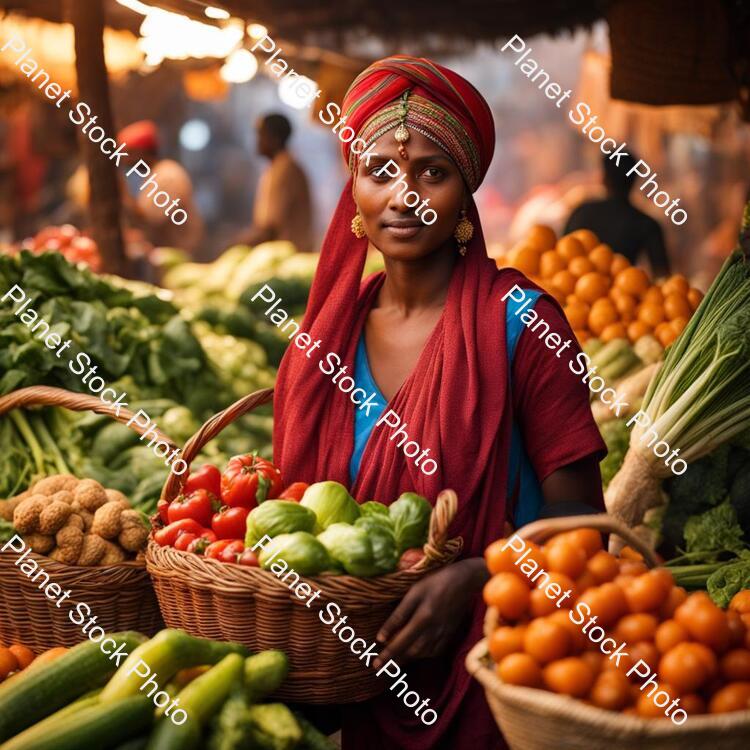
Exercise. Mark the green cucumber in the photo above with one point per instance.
(272, 726)
(166, 654)
(95, 728)
(201, 699)
(58, 683)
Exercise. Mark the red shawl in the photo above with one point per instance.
(456, 402)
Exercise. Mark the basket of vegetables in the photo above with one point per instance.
(71, 547)
(606, 652)
(281, 568)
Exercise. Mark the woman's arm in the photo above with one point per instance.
(575, 489)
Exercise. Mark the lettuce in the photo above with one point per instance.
(331, 504)
(411, 520)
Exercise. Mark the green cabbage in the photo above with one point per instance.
(411, 520)
(373, 508)
(331, 504)
(384, 551)
(301, 552)
(350, 546)
(276, 517)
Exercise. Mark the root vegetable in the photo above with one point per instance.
(63, 496)
(113, 554)
(41, 544)
(54, 517)
(116, 496)
(55, 483)
(26, 515)
(93, 550)
(107, 522)
(69, 544)
(90, 495)
(134, 531)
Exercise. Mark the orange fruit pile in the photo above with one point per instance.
(603, 295)
(699, 652)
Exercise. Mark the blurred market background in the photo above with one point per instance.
(174, 326)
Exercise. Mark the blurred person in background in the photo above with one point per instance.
(618, 223)
(282, 208)
(142, 143)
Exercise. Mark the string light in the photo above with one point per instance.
(219, 14)
(256, 30)
(240, 67)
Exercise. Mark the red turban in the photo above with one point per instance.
(442, 105)
(142, 135)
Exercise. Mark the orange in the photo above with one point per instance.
(586, 237)
(541, 237)
(613, 331)
(619, 263)
(665, 334)
(569, 247)
(571, 299)
(637, 329)
(506, 640)
(580, 265)
(526, 259)
(677, 283)
(602, 314)
(653, 294)
(564, 282)
(676, 305)
(591, 287)
(550, 263)
(520, 669)
(577, 314)
(632, 280)
(625, 306)
(694, 297)
(581, 336)
(508, 593)
(651, 313)
(601, 256)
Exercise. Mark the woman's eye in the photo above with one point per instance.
(376, 173)
(433, 173)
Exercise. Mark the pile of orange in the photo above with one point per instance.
(700, 653)
(603, 295)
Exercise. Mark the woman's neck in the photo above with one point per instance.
(417, 284)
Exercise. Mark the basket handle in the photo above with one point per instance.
(45, 395)
(208, 432)
(439, 549)
(539, 531)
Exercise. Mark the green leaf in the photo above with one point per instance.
(714, 531)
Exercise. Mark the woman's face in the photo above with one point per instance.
(392, 226)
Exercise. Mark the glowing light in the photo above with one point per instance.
(294, 93)
(240, 67)
(218, 14)
(195, 135)
(256, 30)
(136, 6)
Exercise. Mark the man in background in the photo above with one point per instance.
(282, 208)
(142, 142)
(618, 223)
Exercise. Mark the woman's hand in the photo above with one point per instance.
(431, 612)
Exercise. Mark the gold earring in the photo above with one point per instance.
(358, 226)
(463, 232)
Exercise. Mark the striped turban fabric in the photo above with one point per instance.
(442, 106)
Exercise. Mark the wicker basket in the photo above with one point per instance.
(121, 596)
(219, 600)
(532, 719)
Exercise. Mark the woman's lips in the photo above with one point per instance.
(403, 230)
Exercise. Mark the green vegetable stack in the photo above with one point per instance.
(329, 532)
(61, 705)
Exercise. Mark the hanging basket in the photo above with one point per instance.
(219, 600)
(121, 596)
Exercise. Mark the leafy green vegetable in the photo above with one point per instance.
(351, 547)
(7, 531)
(331, 504)
(411, 520)
(384, 550)
(373, 508)
(714, 531)
(729, 579)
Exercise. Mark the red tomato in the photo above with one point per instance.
(195, 542)
(162, 507)
(230, 523)
(249, 558)
(294, 491)
(225, 550)
(208, 477)
(167, 536)
(410, 557)
(198, 505)
(249, 480)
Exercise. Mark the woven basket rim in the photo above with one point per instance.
(63, 568)
(571, 710)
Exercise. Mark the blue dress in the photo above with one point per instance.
(522, 481)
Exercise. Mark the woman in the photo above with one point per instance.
(435, 339)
